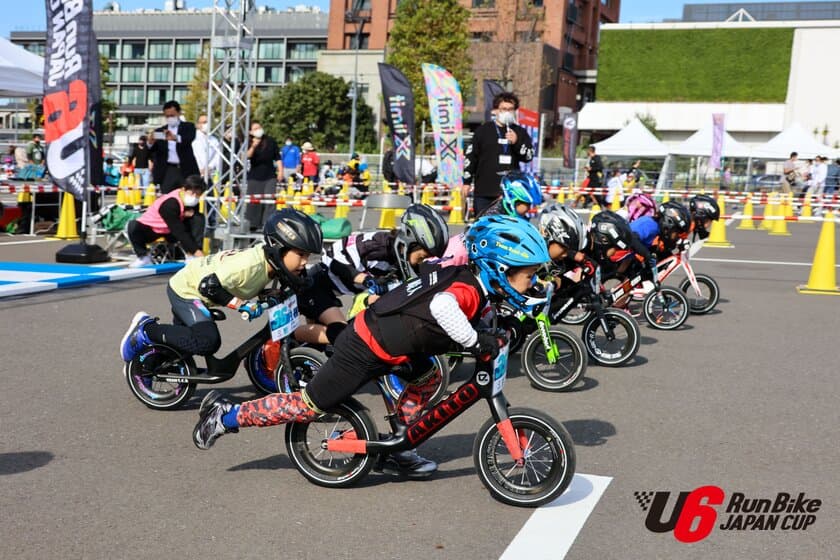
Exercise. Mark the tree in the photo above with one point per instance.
(432, 31)
(316, 108)
(195, 103)
(108, 105)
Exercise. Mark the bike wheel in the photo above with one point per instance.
(157, 394)
(306, 445)
(613, 349)
(549, 462)
(395, 385)
(577, 315)
(566, 370)
(305, 363)
(665, 310)
(261, 364)
(707, 299)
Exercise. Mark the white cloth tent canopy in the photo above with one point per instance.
(634, 140)
(700, 144)
(21, 72)
(793, 139)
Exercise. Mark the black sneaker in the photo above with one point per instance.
(408, 464)
(210, 426)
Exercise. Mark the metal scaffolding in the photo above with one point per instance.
(231, 74)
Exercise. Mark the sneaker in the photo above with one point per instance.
(135, 338)
(140, 261)
(407, 463)
(210, 426)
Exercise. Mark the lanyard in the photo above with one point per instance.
(500, 136)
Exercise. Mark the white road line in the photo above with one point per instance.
(782, 263)
(552, 529)
(3, 244)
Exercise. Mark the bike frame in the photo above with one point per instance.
(486, 383)
(665, 268)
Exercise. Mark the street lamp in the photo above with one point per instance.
(353, 16)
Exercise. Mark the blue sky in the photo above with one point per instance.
(33, 18)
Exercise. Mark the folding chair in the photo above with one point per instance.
(384, 201)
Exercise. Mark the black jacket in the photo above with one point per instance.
(160, 152)
(482, 167)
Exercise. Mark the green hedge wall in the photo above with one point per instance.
(700, 65)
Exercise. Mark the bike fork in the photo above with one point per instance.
(515, 440)
(551, 352)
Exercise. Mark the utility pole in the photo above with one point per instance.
(354, 16)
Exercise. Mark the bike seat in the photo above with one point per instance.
(218, 314)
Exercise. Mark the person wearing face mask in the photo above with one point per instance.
(172, 153)
(140, 159)
(263, 175)
(207, 150)
(498, 146)
(174, 216)
(290, 159)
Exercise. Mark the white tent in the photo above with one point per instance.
(21, 72)
(700, 144)
(634, 140)
(792, 139)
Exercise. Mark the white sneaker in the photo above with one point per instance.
(140, 261)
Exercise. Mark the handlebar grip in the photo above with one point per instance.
(245, 315)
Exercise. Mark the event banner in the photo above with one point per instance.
(399, 103)
(492, 88)
(570, 139)
(71, 87)
(530, 121)
(445, 109)
(717, 140)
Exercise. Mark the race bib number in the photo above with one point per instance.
(505, 159)
(500, 370)
(284, 318)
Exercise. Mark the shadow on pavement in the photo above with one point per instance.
(22, 461)
(589, 433)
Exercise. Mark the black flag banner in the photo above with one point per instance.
(492, 88)
(399, 106)
(71, 89)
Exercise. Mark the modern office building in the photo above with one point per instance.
(152, 53)
(763, 11)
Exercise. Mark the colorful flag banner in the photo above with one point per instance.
(717, 140)
(570, 139)
(530, 121)
(445, 108)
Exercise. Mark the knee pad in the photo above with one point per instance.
(334, 329)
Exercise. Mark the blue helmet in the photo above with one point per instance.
(519, 187)
(495, 244)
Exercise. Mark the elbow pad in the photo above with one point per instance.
(211, 288)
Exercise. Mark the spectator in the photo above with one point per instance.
(832, 178)
(207, 150)
(111, 173)
(329, 179)
(615, 187)
(290, 160)
(174, 216)
(172, 155)
(310, 163)
(819, 172)
(9, 162)
(141, 160)
(262, 175)
(21, 159)
(790, 173)
(726, 180)
(35, 151)
(388, 167)
(595, 174)
(498, 146)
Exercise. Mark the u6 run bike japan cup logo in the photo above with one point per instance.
(694, 515)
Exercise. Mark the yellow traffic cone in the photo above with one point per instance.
(807, 212)
(456, 212)
(136, 195)
(426, 197)
(780, 223)
(131, 180)
(770, 210)
(280, 200)
(387, 219)
(386, 187)
(667, 197)
(151, 195)
(616, 203)
(561, 196)
(595, 209)
(717, 235)
(747, 221)
(121, 191)
(67, 218)
(342, 210)
(823, 278)
(787, 205)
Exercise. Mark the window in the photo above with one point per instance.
(270, 73)
(132, 73)
(295, 73)
(160, 73)
(271, 50)
(160, 50)
(157, 96)
(483, 3)
(365, 4)
(482, 37)
(134, 51)
(187, 50)
(179, 94)
(108, 50)
(350, 41)
(131, 96)
(305, 51)
(184, 72)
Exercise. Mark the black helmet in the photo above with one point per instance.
(420, 226)
(609, 231)
(674, 218)
(703, 207)
(563, 225)
(290, 229)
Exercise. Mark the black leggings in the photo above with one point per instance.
(352, 365)
(194, 331)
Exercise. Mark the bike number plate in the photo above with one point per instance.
(284, 318)
(500, 369)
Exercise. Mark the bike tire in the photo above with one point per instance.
(394, 385)
(624, 351)
(160, 395)
(701, 305)
(565, 372)
(549, 460)
(326, 468)
(669, 315)
(576, 316)
(305, 362)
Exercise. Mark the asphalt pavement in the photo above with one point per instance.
(744, 399)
